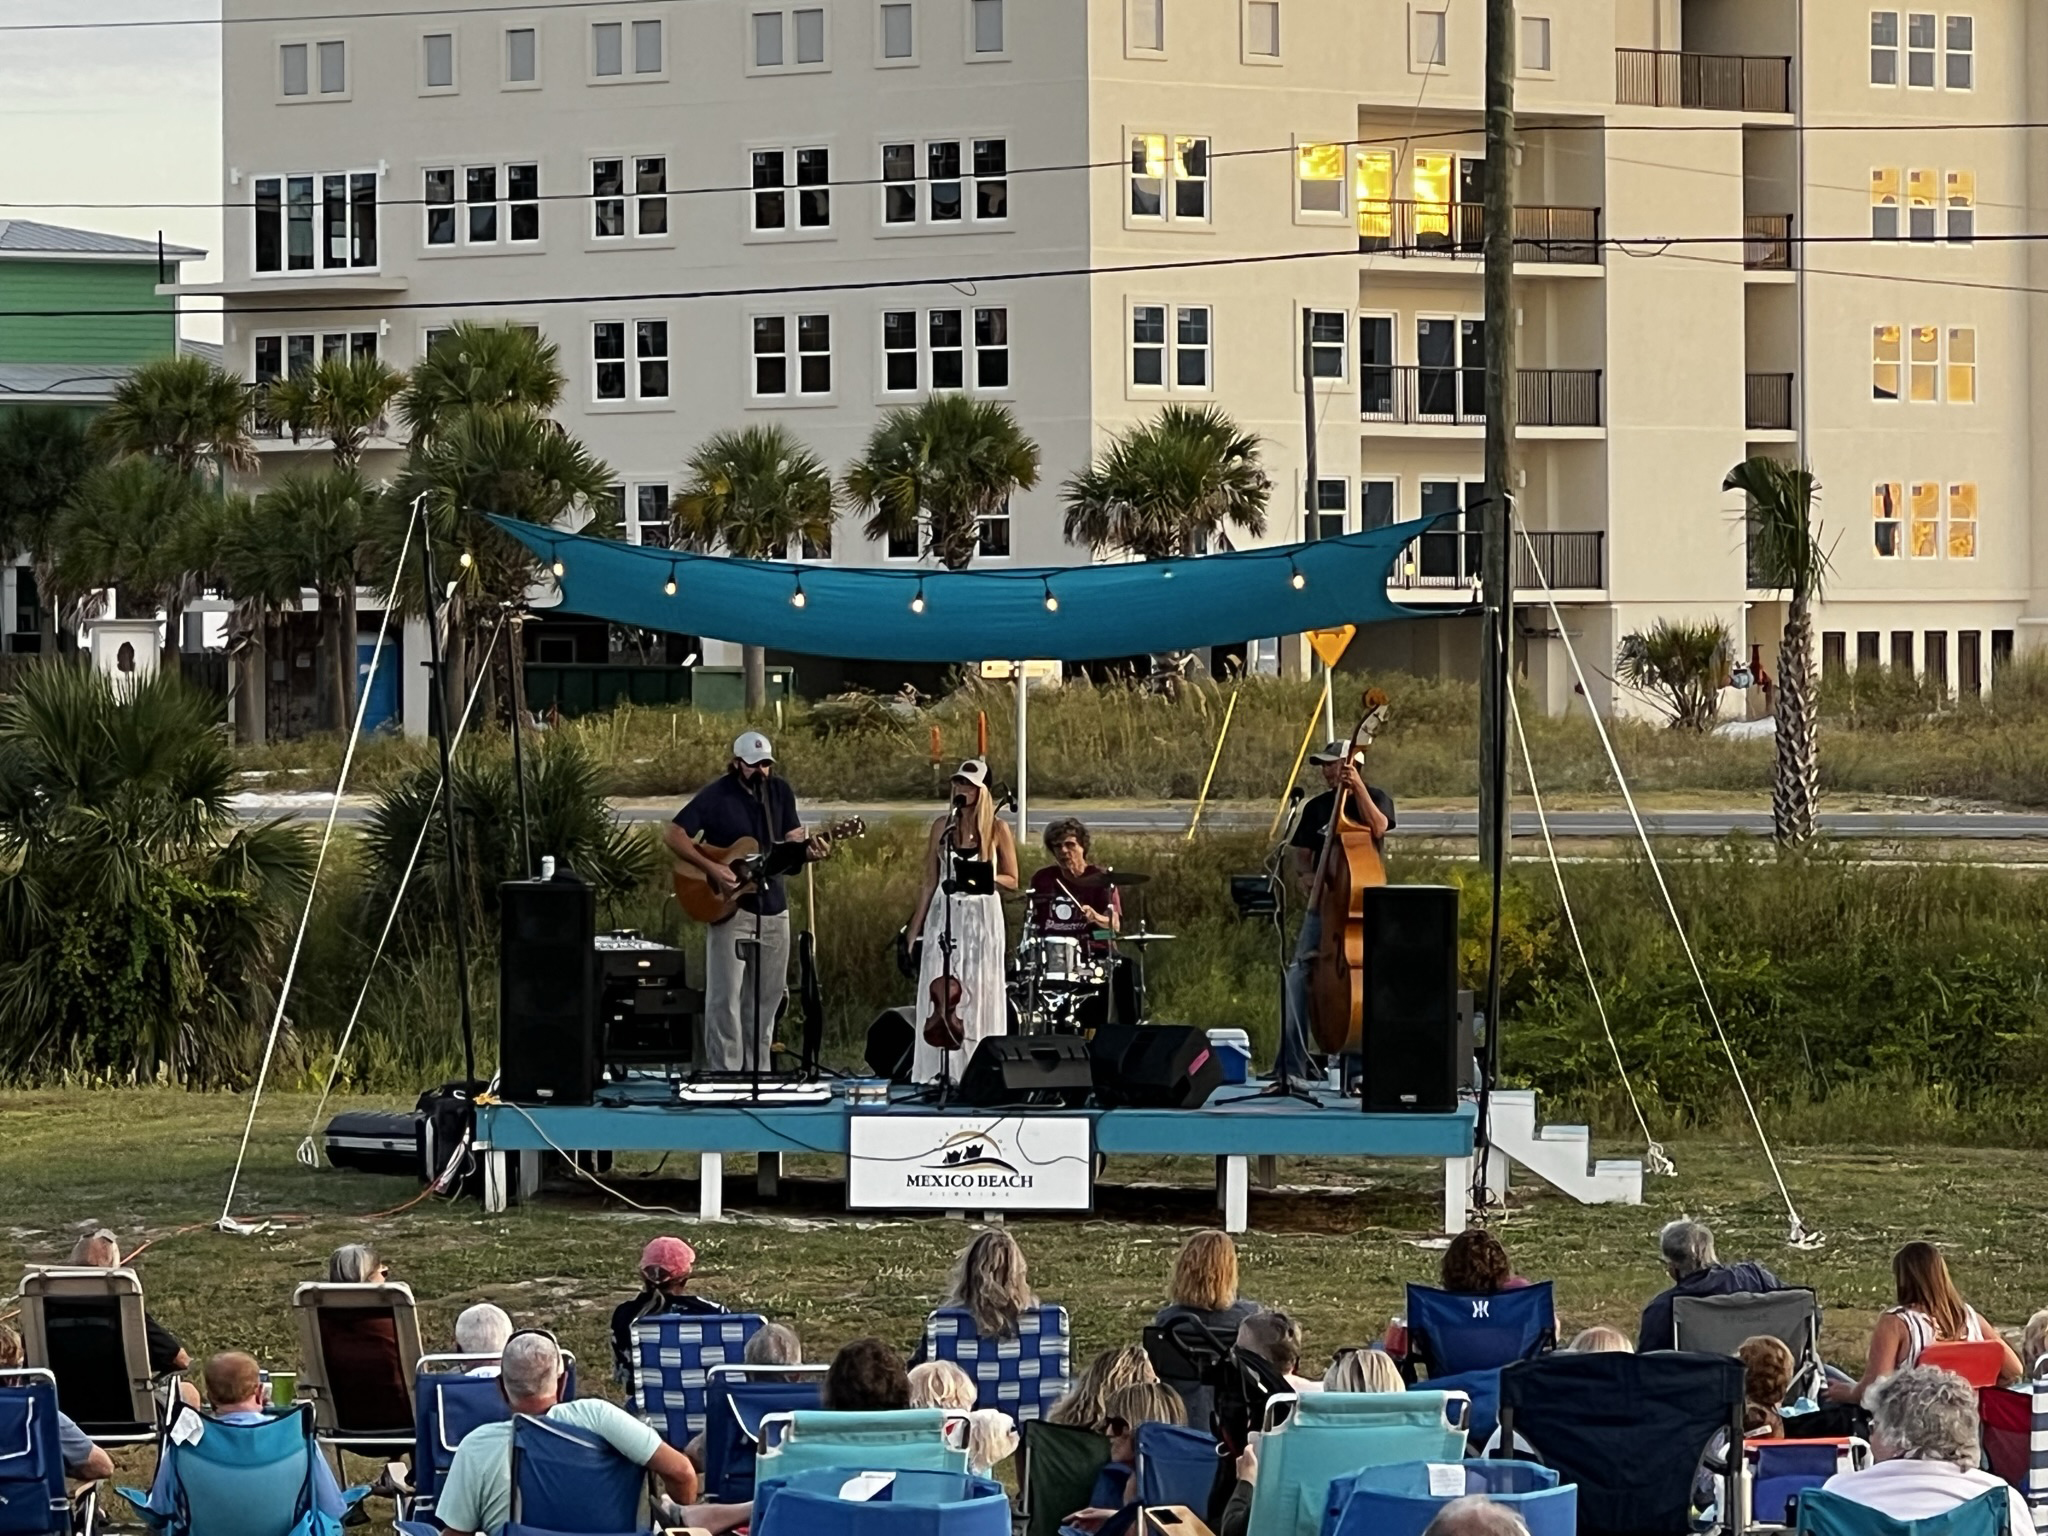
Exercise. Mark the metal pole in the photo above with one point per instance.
(440, 713)
(1309, 525)
(517, 665)
(1023, 757)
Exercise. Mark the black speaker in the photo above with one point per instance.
(892, 1041)
(1016, 1069)
(547, 991)
(1408, 1044)
(1154, 1066)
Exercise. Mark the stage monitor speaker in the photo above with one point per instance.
(1154, 1066)
(892, 1041)
(1019, 1069)
(1409, 1041)
(547, 992)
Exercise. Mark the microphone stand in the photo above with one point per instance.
(1283, 1085)
(753, 1049)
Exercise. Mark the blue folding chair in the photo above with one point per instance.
(1176, 1465)
(565, 1479)
(445, 1409)
(241, 1479)
(1023, 1374)
(741, 1396)
(1781, 1470)
(1459, 1342)
(815, 1503)
(1822, 1513)
(1330, 1434)
(1402, 1499)
(672, 1360)
(893, 1440)
(33, 1500)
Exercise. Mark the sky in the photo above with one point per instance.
(121, 116)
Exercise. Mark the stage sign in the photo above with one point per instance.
(970, 1163)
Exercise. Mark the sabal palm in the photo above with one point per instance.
(477, 368)
(1168, 485)
(339, 398)
(44, 455)
(948, 462)
(1786, 555)
(184, 410)
(308, 531)
(141, 920)
(135, 525)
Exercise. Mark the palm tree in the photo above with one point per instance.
(342, 399)
(133, 525)
(481, 368)
(44, 454)
(1168, 486)
(308, 531)
(184, 410)
(141, 920)
(1785, 554)
(753, 493)
(947, 463)
(1681, 666)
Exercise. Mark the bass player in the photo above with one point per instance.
(1369, 804)
(746, 956)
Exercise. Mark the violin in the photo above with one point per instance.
(944, 1029)
(1349, 863)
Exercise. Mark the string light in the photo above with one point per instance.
(558, 568)
(917, 602)
(1052, 604)
(465, 559)
(669, 586)
(1297, 580)
(796, 598)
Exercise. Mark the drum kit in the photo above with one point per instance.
(1063, 983)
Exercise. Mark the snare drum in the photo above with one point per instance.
(1055, 961)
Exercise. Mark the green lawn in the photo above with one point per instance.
(1334, 1246)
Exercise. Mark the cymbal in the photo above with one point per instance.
(1119, 877)
(1145, 936)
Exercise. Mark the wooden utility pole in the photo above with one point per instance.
(1497, 546)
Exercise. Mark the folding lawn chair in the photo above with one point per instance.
(1023, 1374)
(1176, 1465)
(1329, 1434)
(359, 1350)
(673, 1356)
(87, 1328)
(1189, 1356)
(240, 1479)
(1781, 1470)
(34, 1500)
(1056, 1468)
(1977, 1361)
(895, 1440)
(1458, 1342)
(739, 1398)
(1829, 1514)
(447, 1404)
(1401, 1500)
(818, 1503)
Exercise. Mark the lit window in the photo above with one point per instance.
(1885, 360)
(1884, 47)
(1962, 207)
(1920, 34)
(988, 26)
(1319, 178)
(1146, 25)
(1884, 204)
(1374, 188)
(522, 59)
(1885, 500)
(1185, 167)
(1924, 531)
(1262, 29)
(1923, 376)
(1920, 205)
(1432, 178)
(1962, 365)
(1428, 39)
(899, 32)
(1148, 176)
(1535, 51)
(438, 49)
(1962, 521)
(1959, 53)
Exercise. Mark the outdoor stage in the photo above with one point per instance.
(1234, 1127)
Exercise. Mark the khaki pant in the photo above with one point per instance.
(730, 983)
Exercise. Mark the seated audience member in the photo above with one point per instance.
(1475, 1516)
(2034, 1343)
(991, 1433)
(1599, 1340)
(482, 1330)
(1204, 1286)
(1688, 1251)
(1087, 1398)
(234, 1388)
(100, 1249)
(774, 1344)
(1477, 1265)
(477, 1494)
(83, 1460)
(1924, 1436)
(1116, 1485)
(362, 1346)
(1237, 1513)
(992, 1284)
(1276, 1339)
(1929, 1311)
(1363, 1370)
(1767, 1367)
(356, 1264)
(866, 1376)
(665, 1266)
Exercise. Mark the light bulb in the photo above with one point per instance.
(669, 586)
(465, 559)
(917, 603)
(1052, 604)
(796, 598)
(1298, 581)
(560, 569)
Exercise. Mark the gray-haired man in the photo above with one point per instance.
(1687, 1248)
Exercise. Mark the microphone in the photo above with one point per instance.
(1296, 795)
(1006, 800)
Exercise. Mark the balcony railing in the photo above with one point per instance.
(1423, 396)
(1544, 236)
(1448, 559)
(268, 429)
(1767, 402)
(1767, 242)
(1718, 82)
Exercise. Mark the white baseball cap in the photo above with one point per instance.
(753, 748)
(974, 771)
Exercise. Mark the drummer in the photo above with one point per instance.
(1072, 898)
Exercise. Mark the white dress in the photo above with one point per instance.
(978, 954)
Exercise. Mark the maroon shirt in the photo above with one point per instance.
(1058, 917)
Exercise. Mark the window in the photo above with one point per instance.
(281, 356)
(609, 42)
(807, 173)
(1169, 178)
(1373, 184)
(899, 31)
(1920, 205)
(1376, 366)
(437, 60)
(1145, 26)
(1376, 503)
(1923, 374)
(1902, 651)
(497, 201)
(303, 65)
(1885, 360)
(1333, 510)
(333, 68)
(1866, 648)
(1191, 348)
(964, 180)
(1959, 53)
(653, 522)
(345, 206)
(1970, 662)
(791, 39)
(901, 368)
(1884, 514)
(1920, 50)
(292, 68)
(1535, 50)
(905, 544)
(1428, 39)
(1962, 207)
(1962, 521)
(1183, 331)
(1148, 346)
(1934, 650)
(948, 338)
(1884, 47)
(992, 355)
(1326, 328)
(1884, 204)
(985, 33)
(641, 376)
(1834, 654)
(1924, 531)
(963, 349)
(1962, 365)
(1262, 28)
(792, 356)
(522, 56)
(1319, 179)
(610, 197)
(995, 535)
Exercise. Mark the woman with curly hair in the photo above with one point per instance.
(1477, 1265)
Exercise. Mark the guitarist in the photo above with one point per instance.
(741, 996)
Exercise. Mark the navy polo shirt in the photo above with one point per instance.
(725, 810)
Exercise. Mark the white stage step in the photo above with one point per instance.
(1557, 1154)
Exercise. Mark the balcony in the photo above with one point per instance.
(1447, 560)
(1767, 242)
(1543, 236)
(1767, 402)
(1714, 82)
(1456, 397)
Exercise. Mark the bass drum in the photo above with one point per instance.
(1122, 988)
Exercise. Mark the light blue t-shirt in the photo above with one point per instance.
(477, 1495)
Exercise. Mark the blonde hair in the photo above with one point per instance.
(1205, 1274)
(98, 1249)
(1084, 1405)
(1363, 1370)
(1145, 1402)
(940, 1384)
(992, 1283)
(1600, 1340)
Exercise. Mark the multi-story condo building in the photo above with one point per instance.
(1746, 226)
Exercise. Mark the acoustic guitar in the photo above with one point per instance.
(696, 895)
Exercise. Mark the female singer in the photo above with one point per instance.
(971, 831)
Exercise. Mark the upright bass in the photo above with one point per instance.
(1349, 862)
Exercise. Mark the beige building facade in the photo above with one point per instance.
(1746, 226)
